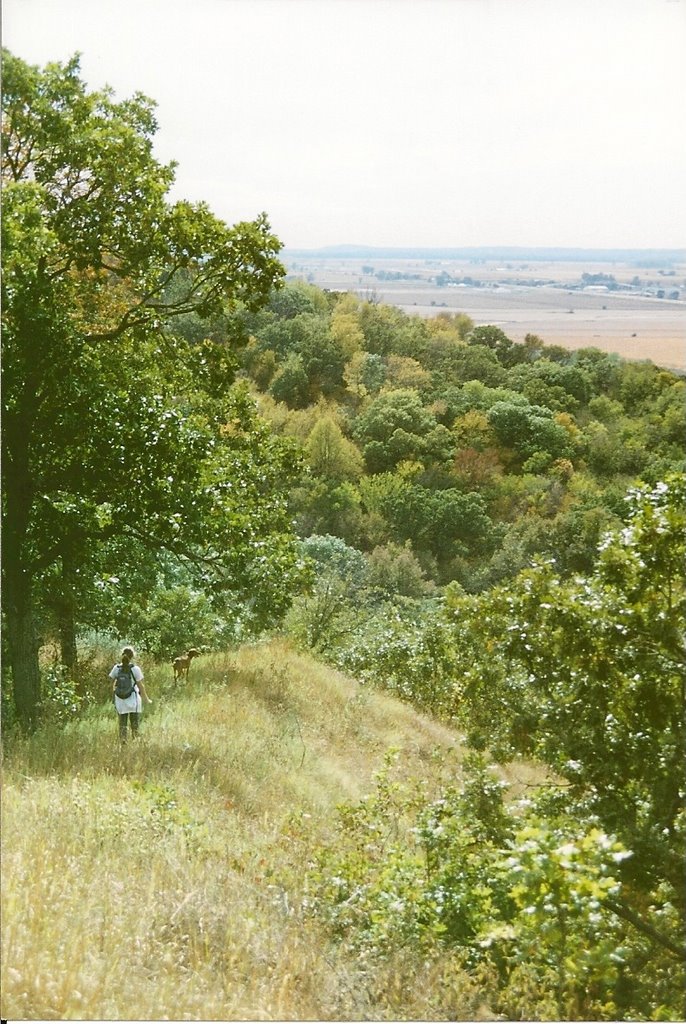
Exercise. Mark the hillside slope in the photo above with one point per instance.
(165, 880)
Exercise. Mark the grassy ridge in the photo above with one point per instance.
(166, 880)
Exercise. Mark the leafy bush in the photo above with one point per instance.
(62, 700)
(526, 901)
(413, 659)
(588, 676)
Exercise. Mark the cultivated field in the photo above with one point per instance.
(636, 326)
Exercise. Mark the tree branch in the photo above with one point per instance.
(647, 929)
(138, 313)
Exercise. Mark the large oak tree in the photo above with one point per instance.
(112, 426)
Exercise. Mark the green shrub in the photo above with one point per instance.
(62, 700)
(526, 900)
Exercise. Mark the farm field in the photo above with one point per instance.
(635, 326)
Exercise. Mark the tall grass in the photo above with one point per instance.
(165, 878)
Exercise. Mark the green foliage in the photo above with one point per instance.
(413, 659)
(589, 676)
(294, 298)
(449, 359)
(495, 339)
(333, 608)
(444, 523)
(333, 557)
(353, 597)
(395, 570)
(525, 901)
(312, 358)
(62, 700)
(561, 941)
(473, 362)
(448, 407)
(291, 384)
(324, 506)
(394, 428)
(365, 374)
(172, 620)
(381, 326)
(560, 388)
(323, 359)
(529, 430)
(330, 454)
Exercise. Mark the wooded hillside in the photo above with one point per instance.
(198, 455)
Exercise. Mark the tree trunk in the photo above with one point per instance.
(68, 652)
(23, 649)
(17, 575)
(66, 618)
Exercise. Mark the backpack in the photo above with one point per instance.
(124, 682)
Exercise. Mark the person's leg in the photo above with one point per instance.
(134, 718)
(122, 727)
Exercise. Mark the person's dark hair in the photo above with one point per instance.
(127, 655)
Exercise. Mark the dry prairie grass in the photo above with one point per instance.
(165, 882)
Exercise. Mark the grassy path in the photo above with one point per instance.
(166, 880)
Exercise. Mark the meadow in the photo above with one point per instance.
(166, 879)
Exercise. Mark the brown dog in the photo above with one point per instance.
(182, 664)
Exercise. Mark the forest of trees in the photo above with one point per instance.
(195, 451)
(443, 455)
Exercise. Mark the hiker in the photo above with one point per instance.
(128, 689)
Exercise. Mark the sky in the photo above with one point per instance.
(417, 123)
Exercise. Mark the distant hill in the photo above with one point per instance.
(642, 257)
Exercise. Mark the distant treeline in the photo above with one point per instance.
(641, 257)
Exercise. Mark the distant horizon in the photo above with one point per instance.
(531, 252)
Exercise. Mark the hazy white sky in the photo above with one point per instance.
(402, 122)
